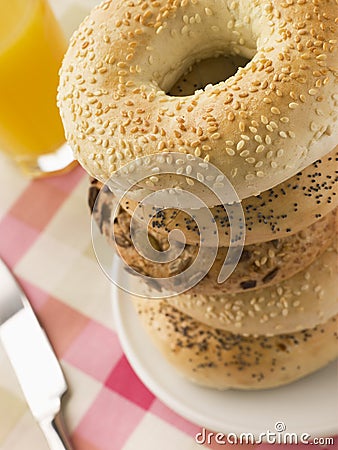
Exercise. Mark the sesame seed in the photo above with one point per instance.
(241, 126)
(284, 119)
(244, 153)
(184, 29)
(240, 145)
(245, 137)
(215, 136)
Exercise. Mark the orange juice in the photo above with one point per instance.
(31, 50)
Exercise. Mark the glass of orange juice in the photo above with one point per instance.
(32, 46)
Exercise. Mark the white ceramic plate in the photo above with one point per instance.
(307, 406)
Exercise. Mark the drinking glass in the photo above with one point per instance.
(32, 46)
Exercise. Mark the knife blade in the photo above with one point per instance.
(33, 360)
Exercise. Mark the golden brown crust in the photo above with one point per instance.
(223, 360)
(271, 119)
(261, 265)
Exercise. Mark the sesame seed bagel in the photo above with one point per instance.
(303, 301)
(260, 265)
(259, 127)
(274, 214)
(222, 360)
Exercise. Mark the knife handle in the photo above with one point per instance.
(55, 433)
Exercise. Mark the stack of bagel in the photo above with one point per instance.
(272, 130)
(274, 320)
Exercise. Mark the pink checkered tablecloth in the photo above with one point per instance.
(45, 239)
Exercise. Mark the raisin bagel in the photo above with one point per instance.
(260, 265)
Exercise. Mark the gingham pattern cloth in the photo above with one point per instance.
(45, 239)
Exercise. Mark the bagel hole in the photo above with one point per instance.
(207, 71)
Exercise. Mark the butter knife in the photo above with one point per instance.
(33, 360)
